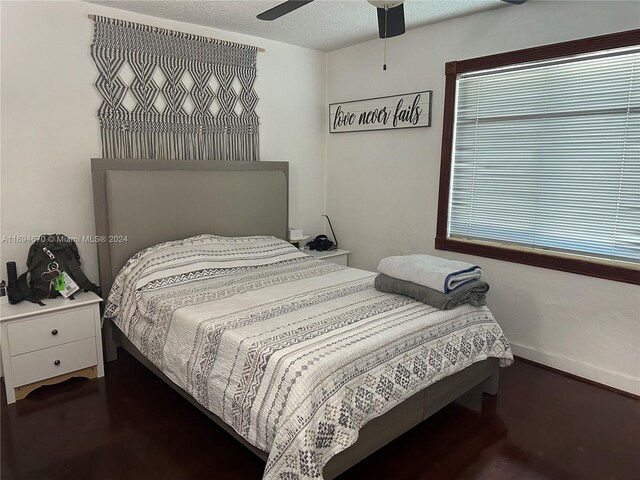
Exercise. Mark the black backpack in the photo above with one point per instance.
(48, 252)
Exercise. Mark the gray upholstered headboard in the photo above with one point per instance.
(139, 203)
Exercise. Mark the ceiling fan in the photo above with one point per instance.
(390, 14)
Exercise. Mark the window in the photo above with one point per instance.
(541, 157)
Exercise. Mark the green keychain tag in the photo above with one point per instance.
(58, 282)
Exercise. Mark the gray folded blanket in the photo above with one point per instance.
(474, 292)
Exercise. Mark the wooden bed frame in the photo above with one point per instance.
(143, 201)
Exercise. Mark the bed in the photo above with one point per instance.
(301, 360)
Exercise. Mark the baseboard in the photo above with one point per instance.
(584, 370)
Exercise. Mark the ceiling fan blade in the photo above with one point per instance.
(282, 9)
(394, 21)
(515, 2)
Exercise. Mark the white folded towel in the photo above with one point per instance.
(433, 272)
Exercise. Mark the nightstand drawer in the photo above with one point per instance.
(50, 330)
(50, 362)
(339, 256)
(338, 260)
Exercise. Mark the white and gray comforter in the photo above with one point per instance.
(295, 354)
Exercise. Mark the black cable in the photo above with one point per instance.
(332, 232)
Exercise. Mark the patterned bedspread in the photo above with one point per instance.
(295, 354)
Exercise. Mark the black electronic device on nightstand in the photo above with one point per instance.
(322, 243)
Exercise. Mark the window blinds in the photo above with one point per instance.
(547, 155)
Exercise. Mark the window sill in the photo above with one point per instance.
(565, 263)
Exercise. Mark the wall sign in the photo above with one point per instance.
(409, 110)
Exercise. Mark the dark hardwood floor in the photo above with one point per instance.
(130, 425)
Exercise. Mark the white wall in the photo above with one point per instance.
(382, 187)
(50, 131)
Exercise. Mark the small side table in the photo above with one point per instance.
(50, 344)
(340, 257)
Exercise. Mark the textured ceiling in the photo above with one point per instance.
(322, 25)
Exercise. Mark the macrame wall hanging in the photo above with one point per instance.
(168, 94)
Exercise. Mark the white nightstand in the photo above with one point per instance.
(50, 344)
(338, 256)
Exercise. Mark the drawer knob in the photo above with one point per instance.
(54, 332)
(56, 362)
